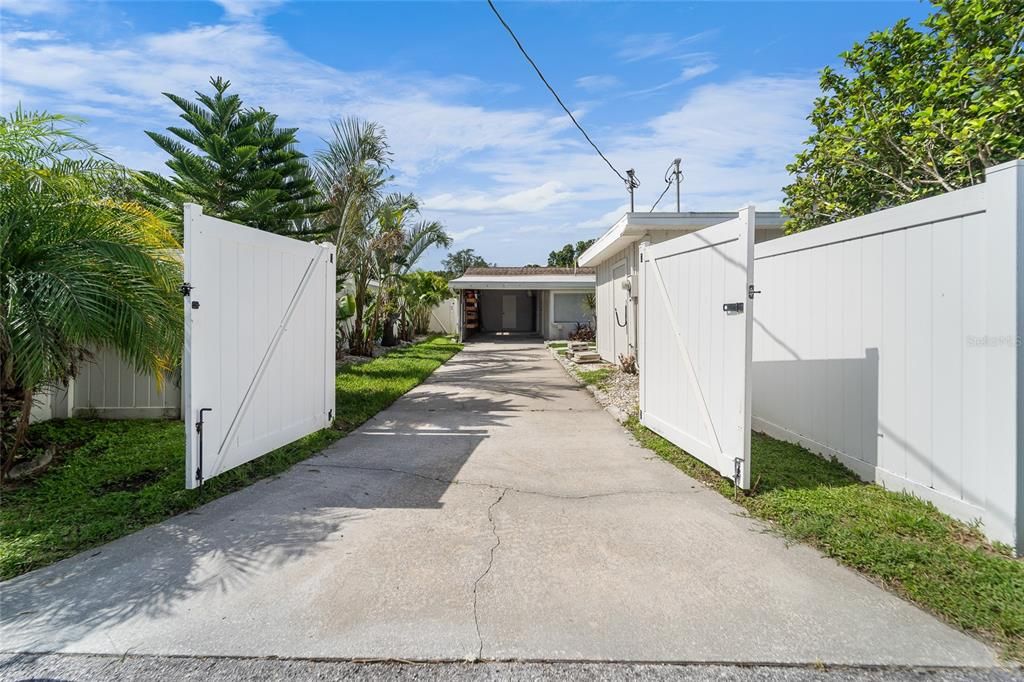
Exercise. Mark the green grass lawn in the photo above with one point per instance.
(594, 377)
(930, 558)
(110, 477)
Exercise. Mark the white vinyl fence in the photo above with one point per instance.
(109, 388)
(892, 342)
(444, 317)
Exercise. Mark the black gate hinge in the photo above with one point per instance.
(330, 415)
(185, 289)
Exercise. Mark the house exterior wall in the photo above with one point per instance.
(611, 296)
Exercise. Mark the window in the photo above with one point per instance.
(568, 308)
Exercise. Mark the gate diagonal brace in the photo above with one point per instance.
(243, 406)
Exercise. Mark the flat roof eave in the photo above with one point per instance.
(582, 282)
(632, 226)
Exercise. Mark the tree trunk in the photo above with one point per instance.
(14, 400)
(357, 339)
(389, 338)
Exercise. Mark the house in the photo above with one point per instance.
(549, 302)
(615, 257)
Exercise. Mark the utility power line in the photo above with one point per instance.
(631, 182)
(672, 173)
(663, 192)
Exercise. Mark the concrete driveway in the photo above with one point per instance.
(495, 512)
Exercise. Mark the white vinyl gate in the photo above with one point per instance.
(695, 337)
(258, 366)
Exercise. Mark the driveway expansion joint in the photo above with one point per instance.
(507, 488)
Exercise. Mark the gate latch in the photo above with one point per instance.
(199, 430)
(737, 470)
(733, 307)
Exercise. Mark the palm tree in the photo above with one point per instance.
(79, 267)
(350, 173)
(401, 243)
(373, 229)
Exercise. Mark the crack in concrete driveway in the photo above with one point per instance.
(378, 547)
(490, 563)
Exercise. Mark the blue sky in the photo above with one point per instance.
(726, 86)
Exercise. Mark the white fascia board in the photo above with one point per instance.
(632, 226)
(525, 282)
(606, 243)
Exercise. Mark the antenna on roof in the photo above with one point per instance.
(679, 179)
(631, 184)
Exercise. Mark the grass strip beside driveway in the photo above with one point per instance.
(900, 540)
(113, 477)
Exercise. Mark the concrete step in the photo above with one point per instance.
(585, 357)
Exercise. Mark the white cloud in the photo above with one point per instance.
(124, 81)
(30, 7)
(30, 36)
(462, 235)
(604, 221)
(528, 200)
(248, 9)
(597, 83)
(637, 46)
(646, 45)
(698, 64)
(735, 139)
(526, 169)
(691, 72)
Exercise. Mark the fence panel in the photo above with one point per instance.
(891, 342)
(258, 368)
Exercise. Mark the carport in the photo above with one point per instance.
(545, 302)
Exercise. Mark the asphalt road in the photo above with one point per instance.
(88, 668)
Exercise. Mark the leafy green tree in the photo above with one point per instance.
(456, 264)
(914, 113)
(235, 162)
(421, 291)
(79, 268)
(568, 255)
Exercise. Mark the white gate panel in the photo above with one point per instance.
(696, 330)
(258, 367)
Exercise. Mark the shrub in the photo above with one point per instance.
(583, 332)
